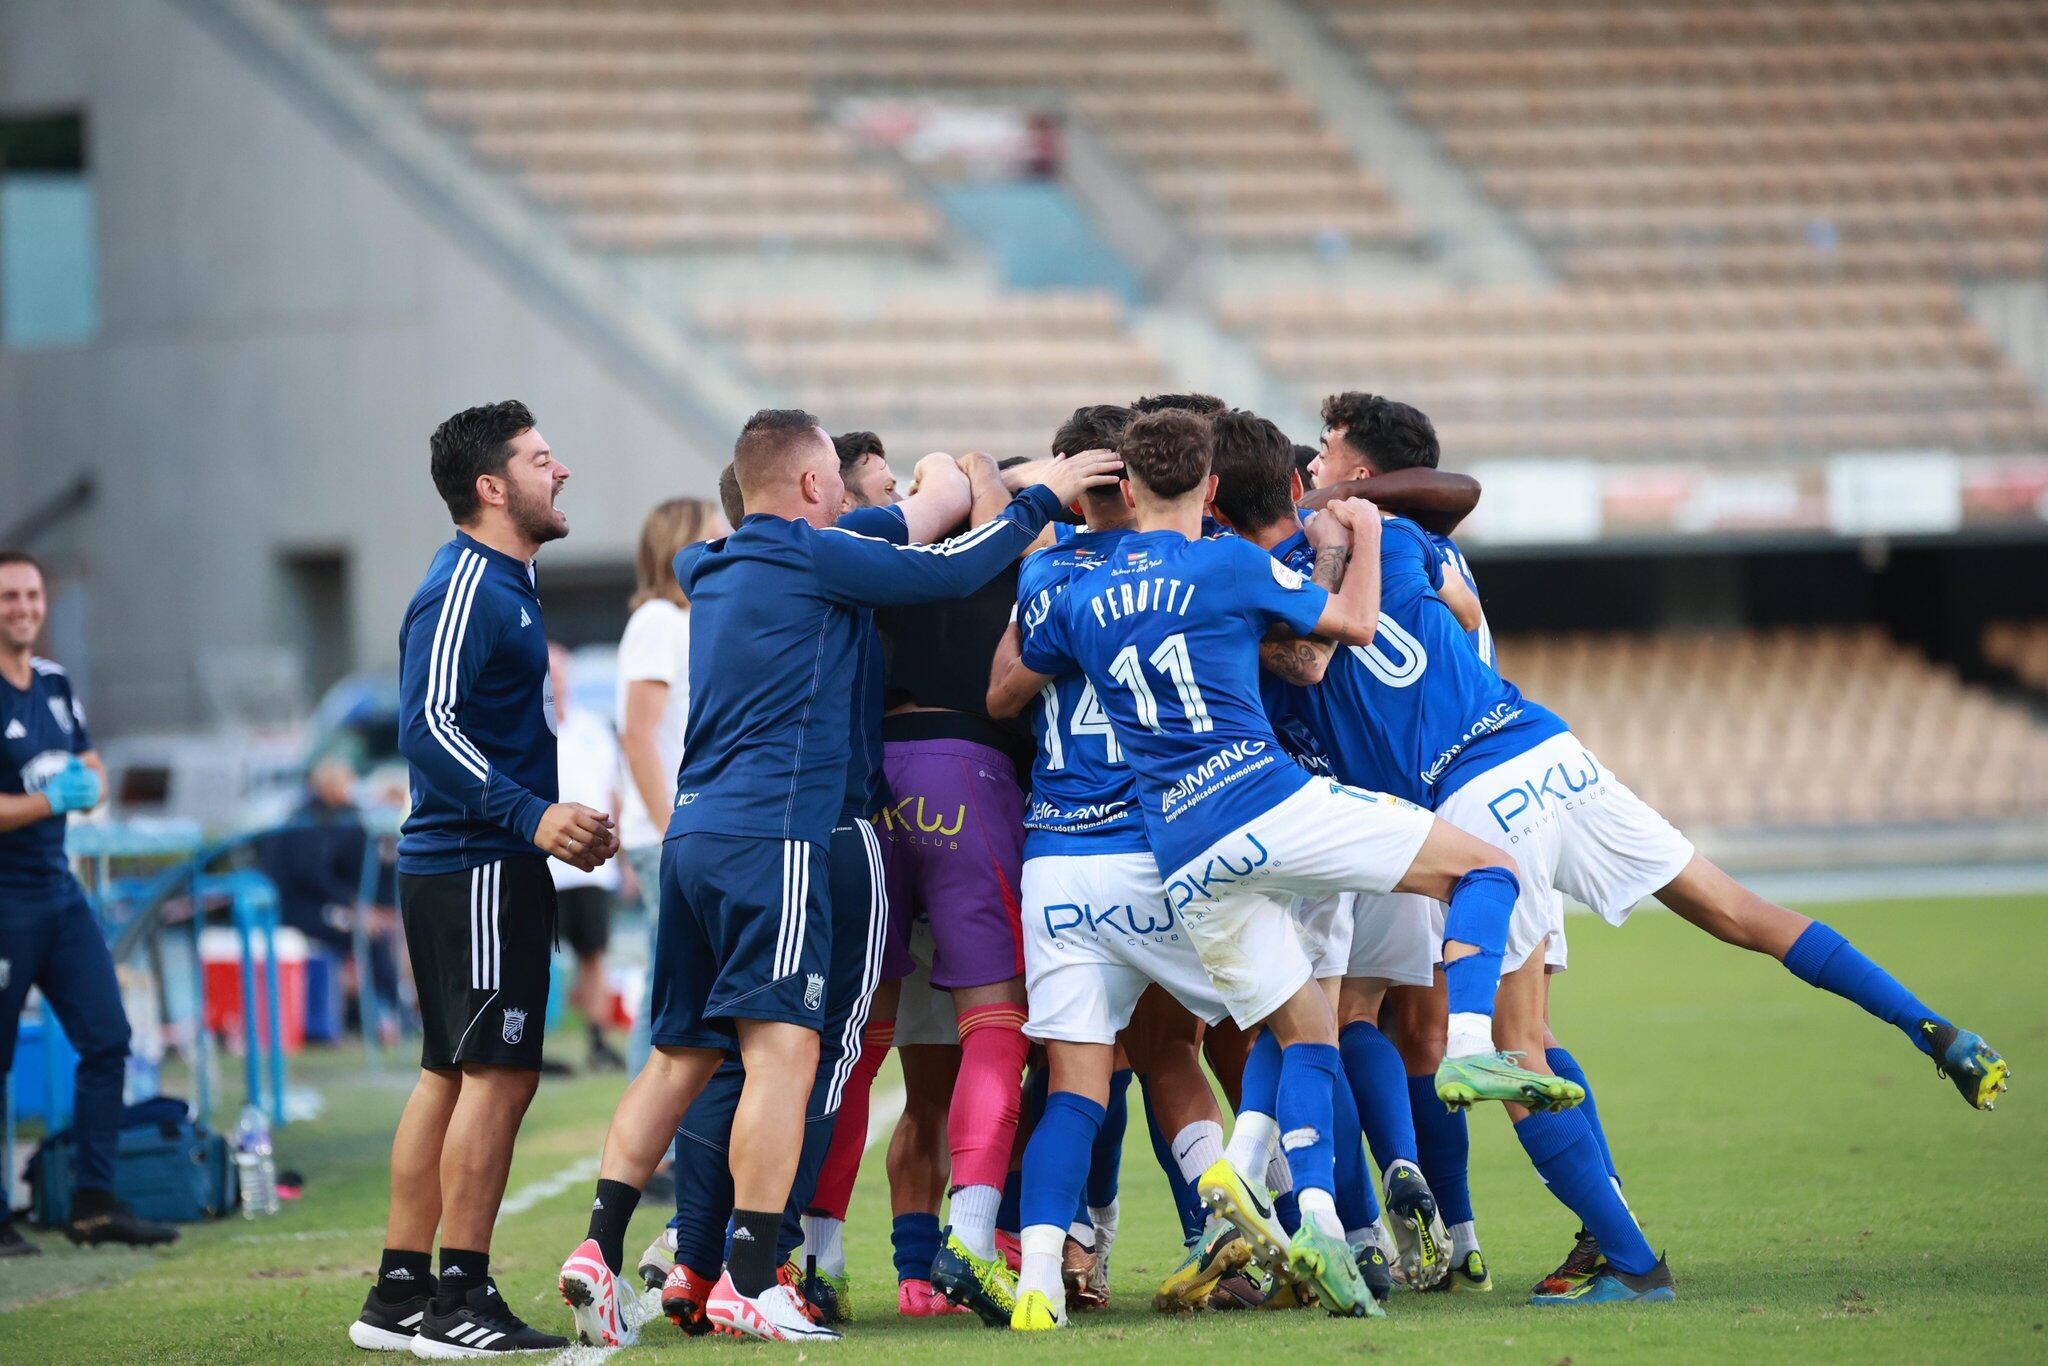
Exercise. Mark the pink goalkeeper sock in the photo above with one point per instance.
(987, 1098)
(850, 1129)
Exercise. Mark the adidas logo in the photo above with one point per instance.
(740, 1235)
(449, 1273)
(16, 731)
(524, 620)
(398, 1274)
(597, 1204)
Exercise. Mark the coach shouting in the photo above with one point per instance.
(476, 726)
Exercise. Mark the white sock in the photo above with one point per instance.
(1279, 1176)
(974, 1218)
(1251, 1139)
(1040, 1269)
(821, 1240)
(1105, 1217)
(1470, 1034)
(1320, 1207)
(1198, 1148)
(1084, 1234)
(1464, 1239)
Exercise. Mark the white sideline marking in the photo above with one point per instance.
(548, 1187)
(883, 1112)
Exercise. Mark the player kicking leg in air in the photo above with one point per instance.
(1233, 826)
(742, 950)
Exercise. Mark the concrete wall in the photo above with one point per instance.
(282, 327)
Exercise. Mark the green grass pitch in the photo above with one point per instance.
(1822, 1195)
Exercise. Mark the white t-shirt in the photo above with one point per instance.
(655, 648)
(587, 755)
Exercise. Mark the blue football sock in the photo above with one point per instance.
(1478, 913)
(1288, 1211)
(1443, 1149)
(916, 1240)
(1561, 1145)
(1379, 1088)
(1567, 1066)
(1009, 1208)
(1357, 1202)
(1106, 1162)
(1186, 1200)
(1820, 957)
(1259, 1091)
(1309, 1077)
(1056, 1159)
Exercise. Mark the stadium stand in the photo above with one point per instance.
(1676, 140)
(703, 122)
(1805, 727)
(947, 373)
(2020, 647)
(1662, 372)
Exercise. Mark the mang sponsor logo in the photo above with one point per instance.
(1220, 870)
(1195, 780)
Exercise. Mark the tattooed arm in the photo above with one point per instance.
(1303, 660)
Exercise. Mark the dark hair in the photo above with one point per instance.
(1387, 435)
(1093, 427)
(1202, 405)
(1167, 451)
(1251, 460)
(474, 442)
(729, 496)
(1304, 456)
(854, 447)
(768, 437)
(13, 557)
(1010, 462)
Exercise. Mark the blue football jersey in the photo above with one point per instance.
(1168, 633)
(1417, 712)
(1454, 559)
(1082, 798)
(41, 727)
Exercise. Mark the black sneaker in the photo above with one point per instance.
(1421, 1241)
(604, 1058)
(97, 1217)
(389, 1327)
(1580, 1265)
(1372, 1265)
(482, 1325)
(12, 1244)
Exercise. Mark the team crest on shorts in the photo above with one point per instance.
(515, 1024)
(814, 990)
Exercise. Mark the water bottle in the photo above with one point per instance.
(255, 1170)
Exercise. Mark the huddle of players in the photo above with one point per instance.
(1275, 776)
(1243, 724)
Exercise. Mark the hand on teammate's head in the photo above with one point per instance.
(936, 465)
(1074, 475)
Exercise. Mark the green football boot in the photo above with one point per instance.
(1329, 1265)
(984, 1284)
(1464, 1082)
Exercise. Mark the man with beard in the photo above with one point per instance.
(477, 730)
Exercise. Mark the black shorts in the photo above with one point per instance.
(585, 918)
(481, 942)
